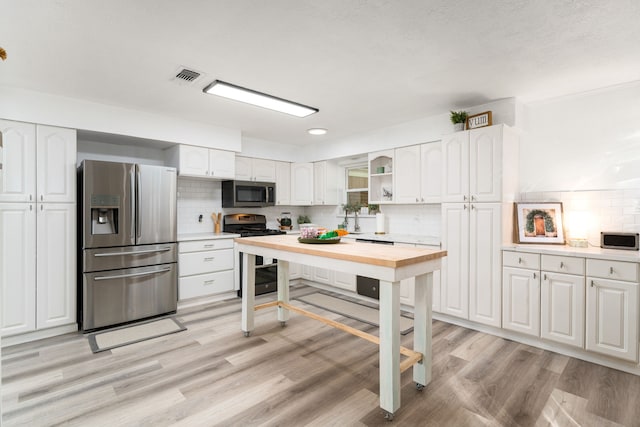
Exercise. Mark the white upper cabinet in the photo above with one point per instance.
(283, 183)
(407, 184)
(325, 183)
(17, 161)
(301, 184)
(222, 164)
(480, 165)
(431, 172)
(202, 162)
(38, 163)
(418, 173)
(56, 164)
(253, 169)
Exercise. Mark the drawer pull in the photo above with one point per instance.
(561, 264)
(209, 282)
(519, 260)
(209, 259)
(610, 270)
(210, 245)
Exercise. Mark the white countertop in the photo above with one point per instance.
(590, 252)
(205, 236)
(397, 238)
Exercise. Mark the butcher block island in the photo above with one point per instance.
(389, 264)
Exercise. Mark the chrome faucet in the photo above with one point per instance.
(356, 227)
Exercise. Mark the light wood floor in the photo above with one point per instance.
(304, 374)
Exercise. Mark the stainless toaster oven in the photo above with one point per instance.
(615, 240)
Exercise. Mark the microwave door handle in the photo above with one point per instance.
(268, 194)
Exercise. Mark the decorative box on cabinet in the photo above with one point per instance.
(612, 308)
(202, 162)
(521, 292)
(254, 169)
(205, 267)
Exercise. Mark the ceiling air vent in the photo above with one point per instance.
(187, 75)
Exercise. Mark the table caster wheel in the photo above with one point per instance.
(283, 323)
(388, 416)
(419, 386)
(247, 333)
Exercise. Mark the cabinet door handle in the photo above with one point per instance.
(610, 270)
(561, 264)
(465, 207)
(592, 284)
(473, 206)
(534, 275)
(41, 198)
(416, 200)
(464, 198)
(519, 260)
(544, 277)
(30, 197)
(473, 198)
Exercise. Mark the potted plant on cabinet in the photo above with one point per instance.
(458, 118)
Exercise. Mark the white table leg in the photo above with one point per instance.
(389, 346)
(248, 291)
(422, 328)
(283, 289)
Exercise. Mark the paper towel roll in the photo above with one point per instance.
(379, 223)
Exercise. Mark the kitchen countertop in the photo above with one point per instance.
(205, 236)
(397, 238)
(590, 252)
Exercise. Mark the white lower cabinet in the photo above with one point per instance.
(521, 300)
(612, 308)
(38, 270)
(345, 281)
(18, 267)
(56, 258)
(205, 267)
(323, 275)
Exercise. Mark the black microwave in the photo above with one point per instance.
(248, 194)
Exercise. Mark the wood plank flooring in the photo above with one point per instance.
(305, 374)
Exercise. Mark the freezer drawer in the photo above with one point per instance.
(118, 296)
(129, 256)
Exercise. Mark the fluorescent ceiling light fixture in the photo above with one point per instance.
(317, 131)
(259, 99)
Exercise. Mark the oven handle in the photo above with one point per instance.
(146, 251)
(123, 276)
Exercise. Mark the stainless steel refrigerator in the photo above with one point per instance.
(128, 243)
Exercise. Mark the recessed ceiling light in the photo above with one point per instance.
(259, 99)
(317, 131)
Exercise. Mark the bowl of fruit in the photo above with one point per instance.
(320, 235)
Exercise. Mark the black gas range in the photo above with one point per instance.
(250, 225)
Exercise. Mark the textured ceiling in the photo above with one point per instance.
(364, 64)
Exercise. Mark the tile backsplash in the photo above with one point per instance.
(604, 210)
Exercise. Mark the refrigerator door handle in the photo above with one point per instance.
(123, 276)
(133, 205)
(138, 203)
(147, 251)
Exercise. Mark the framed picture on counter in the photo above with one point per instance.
(539, 223)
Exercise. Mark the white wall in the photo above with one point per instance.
(588, 141)
(36, 107)
(427, 129)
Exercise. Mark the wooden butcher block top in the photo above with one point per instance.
(366, 253)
